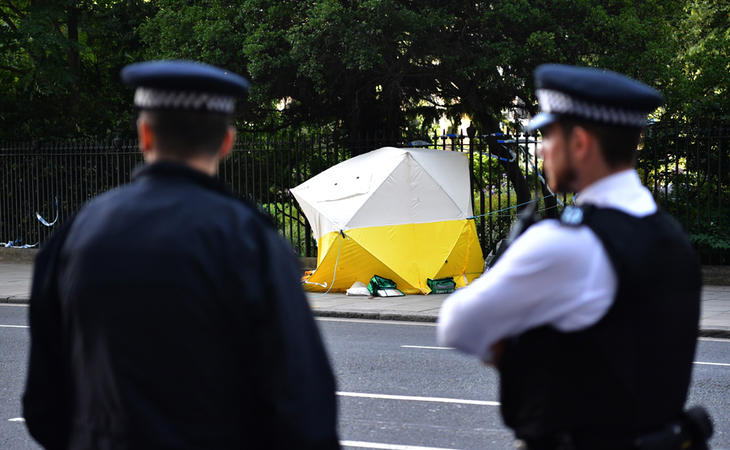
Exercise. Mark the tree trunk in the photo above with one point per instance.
(551, 204)
(373, 122)
(74, 59)
(512, 169)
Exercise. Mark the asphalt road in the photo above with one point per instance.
(397, 389)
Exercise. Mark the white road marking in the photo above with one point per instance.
(419, 399)
(451, 348)
(714, 339)
(431, 324)
(427, 347)
(16, 419)
(377, 321)
(22, 305)
(361, 444)
(334, 319)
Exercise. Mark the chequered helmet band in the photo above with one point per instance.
(560, 103)
(148, 98)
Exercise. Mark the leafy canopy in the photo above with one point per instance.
(388, 66)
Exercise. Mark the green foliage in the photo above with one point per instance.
(686, 169)
(388, 66)
(702, 87)
(291, 223)
(378, 65)
(711, 241)
(59, 66)
(713, 245)
(207, 31)
(703, 208)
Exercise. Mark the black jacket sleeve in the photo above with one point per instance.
(45, 401)
(295, 370)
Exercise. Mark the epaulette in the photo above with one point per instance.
(573, 216)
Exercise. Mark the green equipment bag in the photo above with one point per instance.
(441, 285)
(383, 287)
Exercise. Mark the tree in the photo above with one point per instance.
(700, 92)
(370, 67)
(60, 62)
(381, 66)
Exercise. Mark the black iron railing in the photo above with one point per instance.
(686, 168)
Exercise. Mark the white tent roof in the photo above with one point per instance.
(388, 186)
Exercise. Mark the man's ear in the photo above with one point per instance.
(581, 143)
(228, 140)
(146, 136)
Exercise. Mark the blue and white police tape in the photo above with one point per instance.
(15, 244)
(44, 221)
(512, 207)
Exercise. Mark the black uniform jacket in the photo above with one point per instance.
(169, 314)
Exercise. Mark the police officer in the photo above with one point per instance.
(592, 319)
(168, 313)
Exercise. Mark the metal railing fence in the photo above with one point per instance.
(686, 168)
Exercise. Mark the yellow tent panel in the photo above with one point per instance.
(466, 259)
(408, 254)
(400, 213)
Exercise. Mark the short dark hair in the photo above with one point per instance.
(618, 144)
(188, 133)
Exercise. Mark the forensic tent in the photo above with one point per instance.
(400, 213)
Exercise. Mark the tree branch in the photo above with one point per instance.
(431, 101)
(56, 27)
(280, 209)
(13, 8)
(13, 69)
(8, 20)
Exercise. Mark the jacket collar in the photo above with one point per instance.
(180, 170)
(171, 169)
(623, 191)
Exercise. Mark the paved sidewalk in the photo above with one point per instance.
(15, 281)
(715, 320)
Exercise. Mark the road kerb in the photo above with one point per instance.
(722, 333)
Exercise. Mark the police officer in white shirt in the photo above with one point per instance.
(591, 320)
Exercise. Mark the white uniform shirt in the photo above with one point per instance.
(553, 274)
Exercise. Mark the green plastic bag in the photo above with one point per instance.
(383, 287)
(441, 285)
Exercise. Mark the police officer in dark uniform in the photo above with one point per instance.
(168, 313)
(592, 319)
